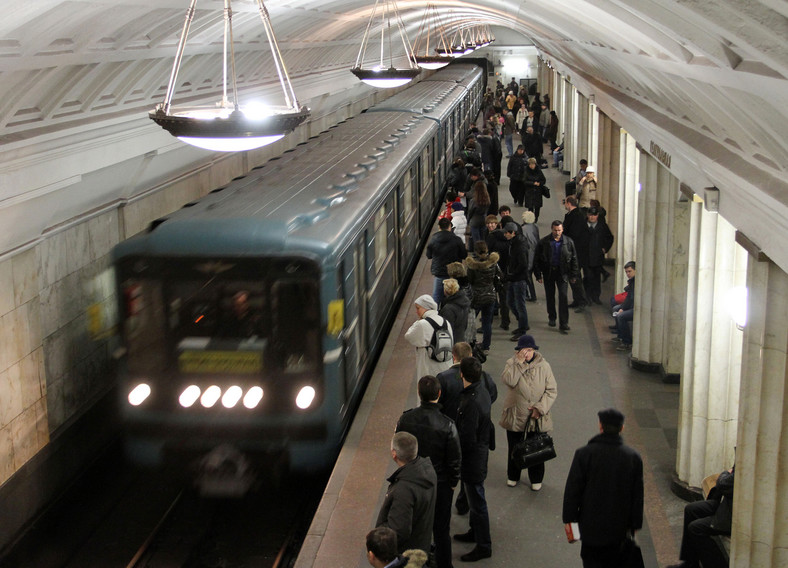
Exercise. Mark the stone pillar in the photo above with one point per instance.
(609, 164)
(661, 280)
(571, 145)
(760, 503)
(625, 208)
(708, 406)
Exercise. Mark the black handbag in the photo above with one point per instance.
(631, 555)
(546, 191)
(534, 450)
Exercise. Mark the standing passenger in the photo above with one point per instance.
(444, 248)
(604, 493)
(556, 265)
(420, 335)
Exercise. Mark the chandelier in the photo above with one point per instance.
(379, 75)
(426, 33)
(228, 126)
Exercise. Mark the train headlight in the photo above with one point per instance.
(231, 396)
(305, 397)
(189, 396)
(253, 397)
(210, 396)
(138, 394)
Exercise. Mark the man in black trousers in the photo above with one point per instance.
(555, 265)
(439, 441)
(604, 494)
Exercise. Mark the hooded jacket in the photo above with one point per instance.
(444, 248)
(419, 335)
(481, 273)
(409, 506)
(530, 384)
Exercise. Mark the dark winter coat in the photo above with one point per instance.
(518, 267)
(589, 250)
(444, 248)
(575, 224)
(451, 389)
(476, 432)
(477, 214)
(457, 177)
(533, 192)
(496, 242)
(409, 506)
(481, 273)
(455, 309)
(485, 144)
(629, 301)
(438, 439)
(516, 168)
(533, 144)
(604, 491)
(567, 259)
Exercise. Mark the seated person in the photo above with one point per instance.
(704, 519)
(558, 155)
(625, 312)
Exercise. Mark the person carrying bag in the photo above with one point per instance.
(532, 390)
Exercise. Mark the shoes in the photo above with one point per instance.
(515, 337)
(616, 340)
(505, 326)
(605, 275)
(511, 483)
(476, 554)
(536, 486)
(564, 329)
(597, 301)
(551, 322)
(580, 309)
(574, 304)
(532, 300)
(624, 347)
(486, 351)
(613, 327)
(465, 537)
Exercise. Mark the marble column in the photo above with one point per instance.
(609, 165)
(709, 400)
(760, 503)
(661, 280)
(625, 208)
(571, 146)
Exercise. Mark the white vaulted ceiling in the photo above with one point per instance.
(707, 79)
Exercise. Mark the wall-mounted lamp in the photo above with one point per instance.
(228, 126)
(736, 304)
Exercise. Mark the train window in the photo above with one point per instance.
(407, 194)
(426, 167)
(295, 330)
(381, 237)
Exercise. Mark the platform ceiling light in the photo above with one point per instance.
(379, 75)
(431, 30)
(228, 126)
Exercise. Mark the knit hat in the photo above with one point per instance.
(526, 341)
(426, 301)
(457, 206)
(510, 228)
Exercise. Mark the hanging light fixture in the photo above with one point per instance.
(428, 60)
(228, 126)
(379, 75)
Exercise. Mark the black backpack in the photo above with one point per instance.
(441, 343)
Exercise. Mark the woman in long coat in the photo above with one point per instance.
(515, 171)
(531, 393)
(534, 181)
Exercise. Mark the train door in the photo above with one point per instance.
(351, 354)
(380, 274)
(408, 219)
(360, 283)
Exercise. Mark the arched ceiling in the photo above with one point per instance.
(706, 77)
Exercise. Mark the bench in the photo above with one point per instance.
(723, 542)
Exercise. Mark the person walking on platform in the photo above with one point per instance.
(477, 436)
(420, 334)
(515, 171)
(604, 494)
(532, 392)
(451, 382)
(517, 272)
(382, 551)
(444, 248)
(575, 227)
(439, 441)
(409, 505)
(556, 265)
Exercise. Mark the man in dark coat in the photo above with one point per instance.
(444, 248)
(625, 313)
(484, 142)
(517, 271)
(439, 441)
(555, 264)
(591, 253)
(451, 382)
(409, 505)
(575, 227)
(476, 436)
(604, 493)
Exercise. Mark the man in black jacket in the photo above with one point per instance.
(517, 271)
(591, 253)
(409, 505)
(575, 227)
(604, 493)
(476, 435)
(555, 264)
(625, 313)
(444, 248)
(438, 440)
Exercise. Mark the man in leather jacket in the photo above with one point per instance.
(439, 441)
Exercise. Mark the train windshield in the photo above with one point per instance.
(229, 317)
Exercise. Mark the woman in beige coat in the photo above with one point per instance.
(532, 392)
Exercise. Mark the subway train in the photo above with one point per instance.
(253, 316)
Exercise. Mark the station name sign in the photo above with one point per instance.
(660, 154)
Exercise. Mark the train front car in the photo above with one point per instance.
(220, 349)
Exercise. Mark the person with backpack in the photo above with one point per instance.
(432, 336)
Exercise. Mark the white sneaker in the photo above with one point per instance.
(536, 486)
(511, 483)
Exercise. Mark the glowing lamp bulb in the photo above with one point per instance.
(210, 396)
(231, 396)
(305, 397)
(189, 396)
(253, 397)
(138, 394)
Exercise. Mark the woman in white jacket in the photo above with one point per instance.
(531, 394)
(420, 335)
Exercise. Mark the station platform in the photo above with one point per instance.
(526, 526)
